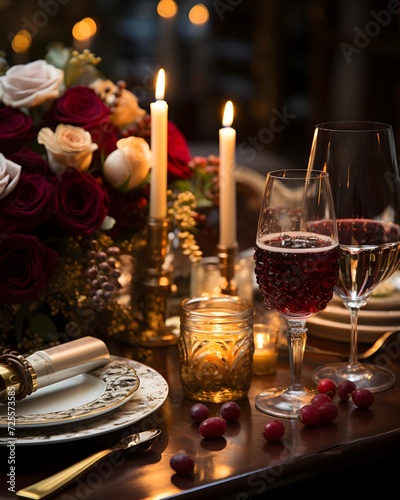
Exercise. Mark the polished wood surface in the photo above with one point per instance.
(241, 464)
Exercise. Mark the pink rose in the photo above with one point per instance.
(29, 85)
(82, 203)
(26, 267)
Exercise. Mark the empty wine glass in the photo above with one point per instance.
(296, 265)
(360, 158)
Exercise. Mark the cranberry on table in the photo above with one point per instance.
(273, 430)
(320, 399)
(310, 415)
(345, 389)
(363, 398)
(213, 427)
(327, 386)
(230, 411)
(329, 411)
(182, 463)
(199, 412)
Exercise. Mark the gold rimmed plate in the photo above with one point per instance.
(82, 397)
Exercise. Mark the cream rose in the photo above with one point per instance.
(29, 85)
(9, 176)
(68, 146)
(128, 165)
(125, 109)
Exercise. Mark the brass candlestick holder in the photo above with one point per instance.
(156, 287)
(227, 261)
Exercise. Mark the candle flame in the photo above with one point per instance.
(262, 340)
(160, 85)
(227, 119)
(259, 340)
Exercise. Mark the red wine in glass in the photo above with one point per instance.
(296, 272)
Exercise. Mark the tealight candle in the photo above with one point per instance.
(265, 355)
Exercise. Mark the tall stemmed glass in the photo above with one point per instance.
(296, 264)
(360, 158)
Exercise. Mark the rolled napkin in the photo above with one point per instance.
(21, 376)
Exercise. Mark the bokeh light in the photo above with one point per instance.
(199, 14)
(84, 29)
(167, 8)
(21, 41)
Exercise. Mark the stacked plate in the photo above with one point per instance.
(381, 314)
(111, 397)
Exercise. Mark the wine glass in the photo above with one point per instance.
(296, 266)
(360, 158)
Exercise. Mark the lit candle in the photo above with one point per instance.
(265, 352)
(227, 186)
(159, 149)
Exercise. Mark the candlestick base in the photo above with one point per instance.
(227, 261)
(156, 288)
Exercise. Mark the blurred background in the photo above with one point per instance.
(286, 64)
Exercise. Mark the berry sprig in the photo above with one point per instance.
(102, 275)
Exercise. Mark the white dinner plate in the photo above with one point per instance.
(370, 317)
(335, 330)
(151, 394)
(77, 398)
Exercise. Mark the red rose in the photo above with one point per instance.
(26, 267)
(28, 206)
(81, 107)
(82, 203)
(178, 155)
(15, 129)
(30, 161)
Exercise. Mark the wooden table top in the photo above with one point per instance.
(239, 465)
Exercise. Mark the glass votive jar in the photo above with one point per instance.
(206, 277)
(266, 339)
(216, 347)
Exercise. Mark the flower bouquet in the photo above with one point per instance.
(74, 188)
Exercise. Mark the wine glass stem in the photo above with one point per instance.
(353, 360)
(297, 337)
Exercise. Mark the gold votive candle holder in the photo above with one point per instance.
(265, 358)
(216, 347)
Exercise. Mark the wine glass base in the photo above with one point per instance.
(365, 376)
(283, 402)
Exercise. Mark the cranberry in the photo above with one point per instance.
(345, 389)
(273, 431)
(327, 386)
(182, 463)
(199, 412)
(213, 427)
(363, 398)
(230, 411)
(320, 399)
(310, 415)
(329, 411)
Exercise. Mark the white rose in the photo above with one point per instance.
(68, 146)
(29, 85)
(128, 165)
(9, 176)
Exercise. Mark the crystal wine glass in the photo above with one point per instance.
(360, 158)
(296, 266)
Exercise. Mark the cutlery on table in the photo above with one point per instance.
(56, 482)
